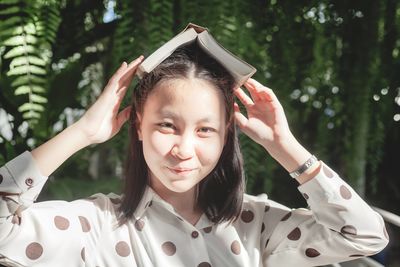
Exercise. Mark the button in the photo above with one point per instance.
(29, 181)
(195, 234)
(207, 229)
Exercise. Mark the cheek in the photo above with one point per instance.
(158, 144)
(210, 152)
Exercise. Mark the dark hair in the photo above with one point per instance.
(220, 194)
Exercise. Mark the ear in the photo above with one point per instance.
(139, 125)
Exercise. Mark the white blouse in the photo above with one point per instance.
(339, 226)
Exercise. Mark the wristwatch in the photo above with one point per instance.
(304, 167)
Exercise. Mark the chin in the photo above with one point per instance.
(179, 186)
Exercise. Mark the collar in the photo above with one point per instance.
(151, 196)
(145, 202)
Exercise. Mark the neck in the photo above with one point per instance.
(183, 202)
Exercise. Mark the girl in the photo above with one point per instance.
(183, 202)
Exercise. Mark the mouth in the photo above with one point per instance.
(181, 171)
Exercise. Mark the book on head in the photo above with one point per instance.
(238, 68)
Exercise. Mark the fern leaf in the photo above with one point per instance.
(10, 10)
(20, 40)
(21, 80)
(26, 89)
(26, 61)
(31, 115)
(48, 22)
(20, 70)
(20, 51)
(29, 32)
(12, 31)
(30, 106)
(38, 99)
(10, 22)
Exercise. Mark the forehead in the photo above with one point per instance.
(186, 97)
(179, 88)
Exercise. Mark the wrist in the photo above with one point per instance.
(290, 154)
(75, 131)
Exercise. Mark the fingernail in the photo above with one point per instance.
(136, 60)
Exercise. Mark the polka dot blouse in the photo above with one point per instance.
(339, 226)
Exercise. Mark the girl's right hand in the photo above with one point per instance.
(102, 120)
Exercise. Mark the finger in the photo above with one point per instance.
(127, 77)
(135, 61)
(243, 97)
(272, 99)
(123, 116)
(259, 89)
(254, 92)
(122, 92)
(267, 94)
(265, 91)
(126, 80)
(132, 66)
(126, 69)
(119, 70)
(240, 119)
(236, 107)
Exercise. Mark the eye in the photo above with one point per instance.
(166, 127)
(207, 130)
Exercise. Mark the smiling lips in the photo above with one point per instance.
(181, 171)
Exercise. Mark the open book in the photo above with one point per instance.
(239, 69)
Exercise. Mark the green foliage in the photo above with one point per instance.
(70, 189)
(27, 31)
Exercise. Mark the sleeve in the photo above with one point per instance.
(50, 233)
(339, 226)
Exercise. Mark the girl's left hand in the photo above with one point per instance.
(266, 123)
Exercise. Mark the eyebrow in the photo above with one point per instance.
(173, 115)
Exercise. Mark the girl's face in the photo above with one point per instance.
(183, 128)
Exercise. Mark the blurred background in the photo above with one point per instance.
(334, 65)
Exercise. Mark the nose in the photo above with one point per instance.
(184, 148)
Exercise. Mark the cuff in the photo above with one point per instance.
(322, 180)
(24, 173)
(331, 199)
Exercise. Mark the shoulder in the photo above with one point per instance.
(101, 207)
(98, 205)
